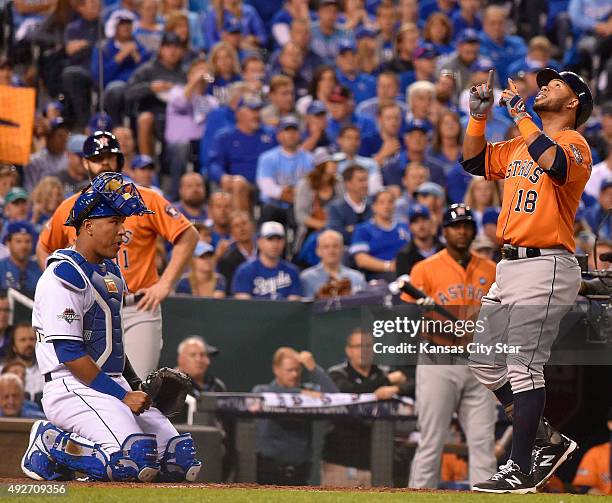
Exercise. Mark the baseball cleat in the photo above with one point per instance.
(37, 462)
(509, 479)
(547, 457)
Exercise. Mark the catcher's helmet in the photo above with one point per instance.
(577, 85)
(101, 142)
(108, 195)
(458, 213)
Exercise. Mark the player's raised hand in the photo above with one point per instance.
(137, 401)
(512, 100)
(481, 98)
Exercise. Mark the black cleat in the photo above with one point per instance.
(547, 457)
(509, 479)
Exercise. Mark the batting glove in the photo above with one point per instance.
(513, 101)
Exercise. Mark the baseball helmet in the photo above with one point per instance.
(102, 142)
(577, 85)
(107, 196)
(458, 213)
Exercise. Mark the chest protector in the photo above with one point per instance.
(102, 328)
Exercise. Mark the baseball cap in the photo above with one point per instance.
(417, 125)
(340, 94)
(250, 102)
(577, 85)
(272, 229)
(365, 32)
(346, 45)
(316, 108)
(490, 216)
(482, 65)
(322, 155)
(425, 51)
(203, 248)
(468, 36)
(16, 194)
(75, 144)
(18, 227)
(606, 184)
(288, 122)
(100, 122)
(430, 189)
(142, 161)
(418, 211)
(323, 3)
(171, 38)
(232, 25)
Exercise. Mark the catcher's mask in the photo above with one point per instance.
(108, 195)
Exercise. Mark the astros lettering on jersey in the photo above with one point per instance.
(537, 211)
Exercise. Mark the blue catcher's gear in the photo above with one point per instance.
(37, 462)
(102, 142)
(107, 196)
(55, 454)
(178, 462)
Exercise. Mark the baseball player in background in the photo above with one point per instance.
(538, 278)
(136, 258)
(457, 277)
(98, 424)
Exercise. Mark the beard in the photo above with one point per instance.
(194, 201)
(548, 105)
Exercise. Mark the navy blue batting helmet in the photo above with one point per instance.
(109, 195)
(577, 85)
(457, 213)
(102, 142)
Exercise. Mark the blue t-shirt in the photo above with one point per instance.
(262, 282)
(13, 277)
(378, 242)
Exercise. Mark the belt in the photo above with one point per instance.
(49, 377)
(510, 252)
(132, 299)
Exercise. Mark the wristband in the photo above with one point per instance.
(527, 127)
(476, 127)
(539, 146)
(104, 384)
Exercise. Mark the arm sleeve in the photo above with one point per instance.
(296, 284)
(242, 282)
(417, 279)
(130, 375)
(257, 27)
(170, 224)
(577, 156)
(61, 310)
(68, 350)
(265, 177)
(361, 241)
(320, 377)
(54, 234)
(216, 159)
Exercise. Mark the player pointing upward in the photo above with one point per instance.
(536, 282)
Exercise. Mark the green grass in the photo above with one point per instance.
(107, 494)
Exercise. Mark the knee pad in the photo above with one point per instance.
(491, 376)
(137, 459)
(178, 462)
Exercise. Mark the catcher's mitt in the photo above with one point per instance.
(168, 389)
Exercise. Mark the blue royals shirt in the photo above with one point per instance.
(262, 282)
(22, 280)
(379, 242)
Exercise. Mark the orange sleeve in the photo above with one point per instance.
(167, 221)
(578, 156)
(587, 473)
(417, 279)
(54, 234)
(497, 157)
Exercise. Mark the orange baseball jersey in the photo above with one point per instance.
(538, 211)
(442, 278)
(594, 469)
(137, 254)
(453, 468)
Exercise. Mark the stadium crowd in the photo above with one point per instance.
(314, 145)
